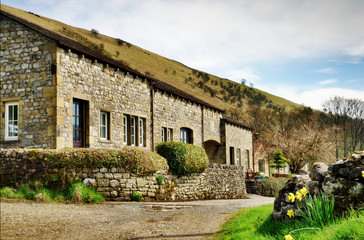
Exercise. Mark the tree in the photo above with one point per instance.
(278, 160)
(347, 116)
(243, 81)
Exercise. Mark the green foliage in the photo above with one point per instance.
(318, 210)
(271, 186)
(278, 160)
(160, 179)
(79, 193)
(183, 159)
(136, 196)
(256, 223)
(132, 159)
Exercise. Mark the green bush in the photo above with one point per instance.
(160, 179)
(79, 193)
(136, 196)
(132, 159)
(271, 186)
(183, 159)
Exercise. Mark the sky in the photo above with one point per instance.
(306, 51)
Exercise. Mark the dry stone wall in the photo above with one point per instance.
(217, 182)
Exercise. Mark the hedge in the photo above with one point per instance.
(183, 159)
(131, 159)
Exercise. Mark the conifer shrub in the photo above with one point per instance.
(183, 159)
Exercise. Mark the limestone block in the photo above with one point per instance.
(109, 175)
(318, 171)
(103, 182)
(114, 183)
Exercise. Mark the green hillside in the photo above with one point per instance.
(222, 93)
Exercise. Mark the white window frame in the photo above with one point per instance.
(238, 157)
(104, 125)
(133, 131)
(15, 122)
(141, 132)
(169, 134)
(125, 128)
(163, 133)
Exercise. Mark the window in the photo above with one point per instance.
(232, 156)
(238, 157)
(11, 121)
(166, 134)
(104, 125)
(247, 161)
(163, 134)
(186, 135)
(141, 132)
(133, 131)
(169, 135)
(261, 166)
(125, 129)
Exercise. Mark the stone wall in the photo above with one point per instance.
(239, 138)
(104, 89)
(217, 182)
(344, 180)
(26, 78)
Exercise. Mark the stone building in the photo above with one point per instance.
(57, 93)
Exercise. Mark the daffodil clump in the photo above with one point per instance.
(293, 197)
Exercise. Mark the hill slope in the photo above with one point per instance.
(222, 93)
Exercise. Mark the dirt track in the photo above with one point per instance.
(120, 220)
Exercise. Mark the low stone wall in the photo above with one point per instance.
(217, 182)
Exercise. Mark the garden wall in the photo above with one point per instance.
(217, 182)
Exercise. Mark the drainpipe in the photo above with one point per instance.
(202, 126)
(253, 152)
(152, 112)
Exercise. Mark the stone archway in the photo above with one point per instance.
(214, 152)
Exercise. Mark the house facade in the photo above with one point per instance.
(57, 93)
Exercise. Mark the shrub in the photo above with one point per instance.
(136, 196)
(160, 179)
(7, 192)
(183, 159)
(79, 193)
(271, 186)
(132, 159)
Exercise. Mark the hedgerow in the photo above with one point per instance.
(131, 159)
(183, 159)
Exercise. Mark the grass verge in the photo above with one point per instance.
(255, 223)
(76, 193)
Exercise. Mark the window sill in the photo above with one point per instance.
(105, 141)
(9, 141)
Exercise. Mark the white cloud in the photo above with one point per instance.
(246, 73)
(326, 70)
(313, 98)
(328, 81)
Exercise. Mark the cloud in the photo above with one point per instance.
(326, 70)
(313, 98)
(246, 73)
(328, 81)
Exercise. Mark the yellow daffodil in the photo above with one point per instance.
(362, 173)
(304, 191)
(299, 196)
(291, 197)
(290, 213)
(288, 237)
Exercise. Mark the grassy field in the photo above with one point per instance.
(164, 69)
(255, 223)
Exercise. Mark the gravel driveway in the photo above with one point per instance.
(120, 220)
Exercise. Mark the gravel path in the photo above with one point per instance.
(120, 220)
